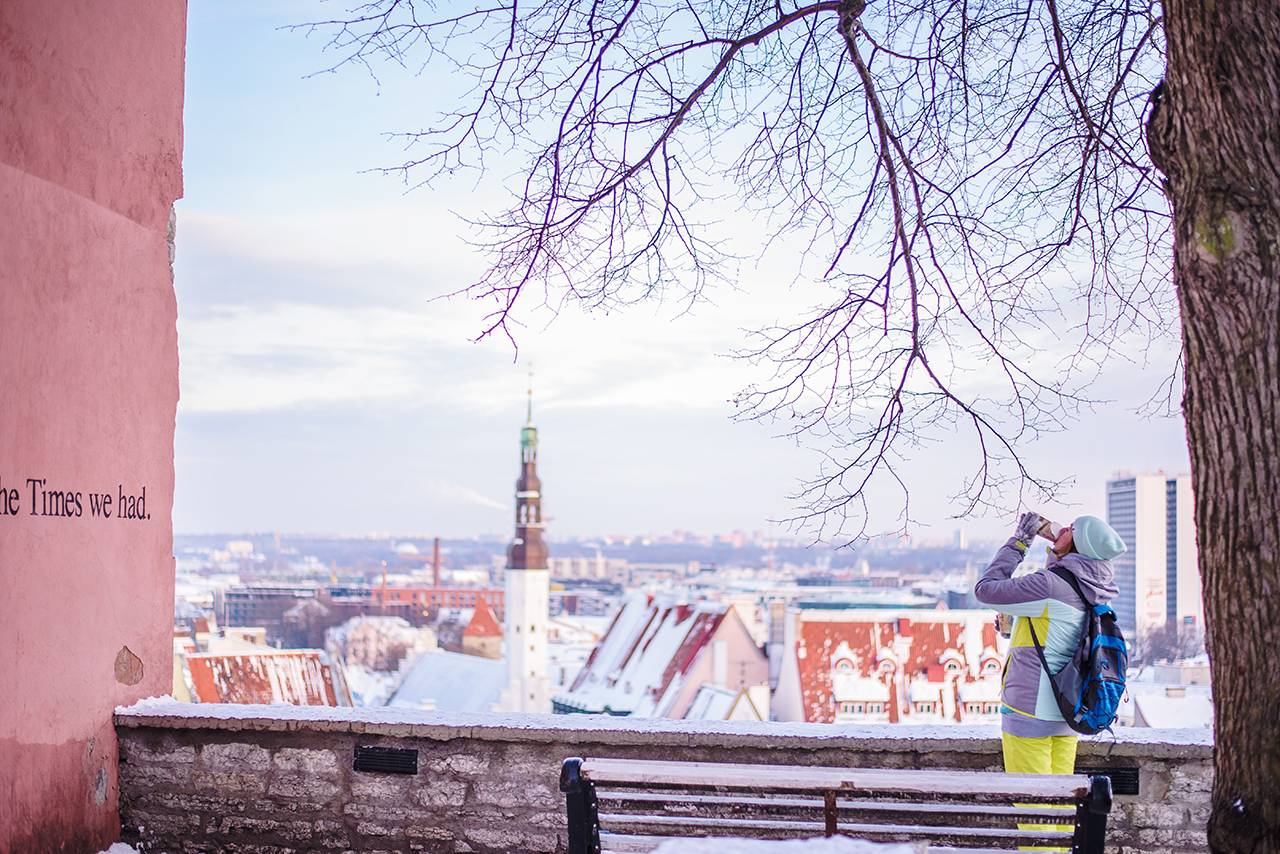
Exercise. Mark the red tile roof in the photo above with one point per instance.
(818, 641)
(299, 677)
(483, 624)
(917, 645)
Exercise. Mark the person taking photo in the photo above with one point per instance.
(1034, 736)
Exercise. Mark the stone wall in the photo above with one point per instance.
(248, 779)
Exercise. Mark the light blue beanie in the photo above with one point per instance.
(1096, 539)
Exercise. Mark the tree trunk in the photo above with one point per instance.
(1215, 133)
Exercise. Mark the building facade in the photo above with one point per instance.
(527, 588)
(1158, 575)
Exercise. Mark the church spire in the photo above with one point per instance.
(528, 550)
(528, 418)
(527, 586)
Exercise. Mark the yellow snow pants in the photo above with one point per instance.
(1054, 754)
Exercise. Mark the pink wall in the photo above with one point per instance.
(90, 164)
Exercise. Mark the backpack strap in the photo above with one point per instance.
(1065, 705)
(1070, 577)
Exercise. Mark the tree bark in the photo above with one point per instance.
(1215, 133)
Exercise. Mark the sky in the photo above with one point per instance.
(325, 387)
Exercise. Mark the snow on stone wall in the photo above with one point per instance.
(215, 778)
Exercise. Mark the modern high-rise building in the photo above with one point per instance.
(527, 586)
(1158, 575)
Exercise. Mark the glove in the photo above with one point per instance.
(1028, 524)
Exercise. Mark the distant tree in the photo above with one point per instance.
(1170, 642)
(959, 171)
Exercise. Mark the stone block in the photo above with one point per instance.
(164, 752)
(502, 840)
(242, 826)
(380, 812)
(529, 794)
(235, 757)
(329, 835)
(161, 826)
(300, 787)
(381, 788)
(229, 782)
(180, 801)
(1157, 815)
(441, 793)
(418, 830)
(1190, 779)
(465, 764)
(306, 761)
(1180, 840)
(373, 828)
(147, 776)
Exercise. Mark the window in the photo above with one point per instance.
(952, 666)
(844, 665)
(924, 707)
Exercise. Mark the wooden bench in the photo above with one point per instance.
(626, 805)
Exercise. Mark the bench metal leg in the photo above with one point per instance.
(829, 812)
(580, 807)
(1091, 817)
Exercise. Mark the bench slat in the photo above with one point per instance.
(615, 820)
(800, 778)
(675, 800)
(614, 844)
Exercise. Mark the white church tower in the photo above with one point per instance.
(527, 583)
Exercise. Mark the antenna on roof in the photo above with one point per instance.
(529, 410)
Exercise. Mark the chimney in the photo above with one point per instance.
(435, 563)
(683, 610)
(904, 627)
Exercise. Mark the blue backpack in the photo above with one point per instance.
(1088, 689)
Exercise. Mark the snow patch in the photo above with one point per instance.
(120, 848)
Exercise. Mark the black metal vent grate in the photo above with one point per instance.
(1124, 781)
(386, 760)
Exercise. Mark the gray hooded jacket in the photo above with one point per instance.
(1050, 604)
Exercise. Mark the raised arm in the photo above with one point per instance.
(1026, 596)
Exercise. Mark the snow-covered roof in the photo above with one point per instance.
(711, 703)
(451, 682)
(650, 644)
(302, 677)
(1171, 706)
(901, 657)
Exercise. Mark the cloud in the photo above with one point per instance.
(457, 494)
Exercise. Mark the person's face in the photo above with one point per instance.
(1063, 543)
